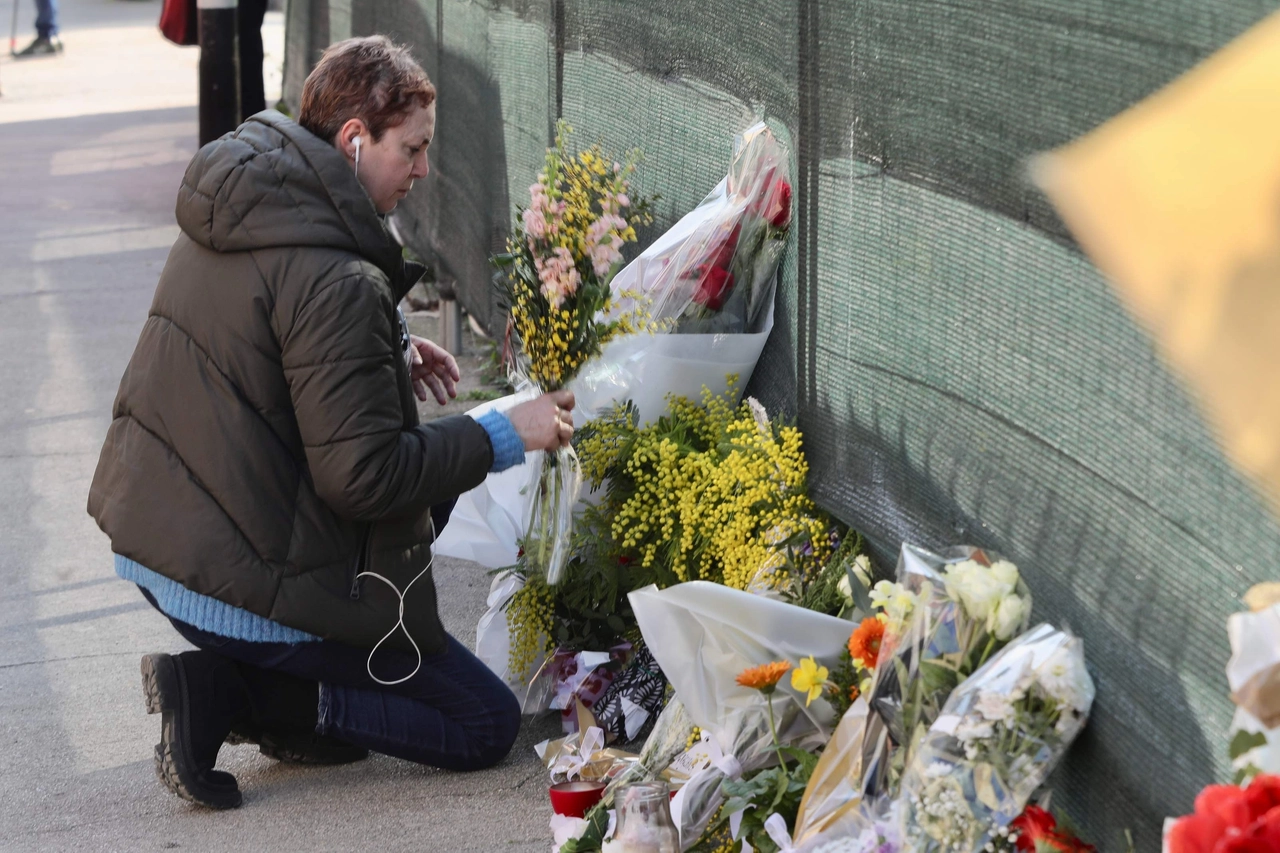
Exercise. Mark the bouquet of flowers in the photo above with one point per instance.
(730, 693)
(712, 492)
(998, 737)
(945, 617)
(713, 272)
(556, 275)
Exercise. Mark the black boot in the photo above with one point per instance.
(201, 697)
(283, 721)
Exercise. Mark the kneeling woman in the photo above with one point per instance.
(265, 460)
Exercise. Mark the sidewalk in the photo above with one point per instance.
(92, 147)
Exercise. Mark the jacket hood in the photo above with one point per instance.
(272, 183)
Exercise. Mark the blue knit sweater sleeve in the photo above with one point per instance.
(508, 448)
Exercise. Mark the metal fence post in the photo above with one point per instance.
(450, 317)
(219, 69)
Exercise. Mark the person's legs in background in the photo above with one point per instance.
(46, 42)
(249, 16)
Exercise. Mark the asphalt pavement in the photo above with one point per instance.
(92, 147)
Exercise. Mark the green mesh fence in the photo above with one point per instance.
(961, 372)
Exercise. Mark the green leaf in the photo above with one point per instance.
(1244, 774)
(805, 761)
(1245, 741)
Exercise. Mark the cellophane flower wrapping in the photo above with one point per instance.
(668, 738)
(873, 826)
(703, 635)
(714, 271)
(997, 739)
(834, 792)
(946, 615)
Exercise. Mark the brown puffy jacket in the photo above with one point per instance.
(265, 446)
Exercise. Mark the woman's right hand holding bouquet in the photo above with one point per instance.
(545, 422)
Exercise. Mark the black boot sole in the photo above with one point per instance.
(309, 749)
(297, 747)
(164, 688)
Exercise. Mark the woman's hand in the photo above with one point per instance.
(432, 367)
(545, 423)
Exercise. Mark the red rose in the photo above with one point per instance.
(722, 255)
(1262, 795)
(1228, 819)
(777, 206)
(714, 286)
(1262, 836)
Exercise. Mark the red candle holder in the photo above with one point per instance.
(575, 799)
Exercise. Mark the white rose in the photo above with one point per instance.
(975, 588)
(862, 568)
(1006, 574)
(846, 592)
(1008, 617)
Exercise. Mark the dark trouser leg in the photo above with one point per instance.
(249, 15)
(453, 713)
(46, 18)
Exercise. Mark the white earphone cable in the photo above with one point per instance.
(400, 622)
(357, 144)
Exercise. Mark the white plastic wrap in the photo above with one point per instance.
(703, 635)
(493, 638)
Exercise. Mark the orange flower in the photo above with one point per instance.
(764, 677)
(854, 693)
(864, 642)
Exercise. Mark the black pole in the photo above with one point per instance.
(219, 69)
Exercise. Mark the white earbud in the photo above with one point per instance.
(356, 143)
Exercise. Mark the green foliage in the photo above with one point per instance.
(823, 593)
(844, 677)
(776, 790)
(1243, 742)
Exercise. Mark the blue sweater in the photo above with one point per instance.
(218, 617)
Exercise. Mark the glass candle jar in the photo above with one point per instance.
(644, 819)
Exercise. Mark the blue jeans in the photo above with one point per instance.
(46, 18)
(454, 713)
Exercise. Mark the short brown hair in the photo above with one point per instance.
(368, 78)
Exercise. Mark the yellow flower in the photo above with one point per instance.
(809, 678)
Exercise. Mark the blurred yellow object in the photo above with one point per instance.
(1177, 200)
(1262, 596)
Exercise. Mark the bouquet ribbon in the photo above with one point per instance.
(776, 826)
(572, 763)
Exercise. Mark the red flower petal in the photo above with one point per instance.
(1262, 795)
(1197, 833)
(714, 286)
(1227, 802)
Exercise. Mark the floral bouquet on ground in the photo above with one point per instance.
(711, 492)
(945, 617)
(555, 278)
(713, 272)
(997, 739)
